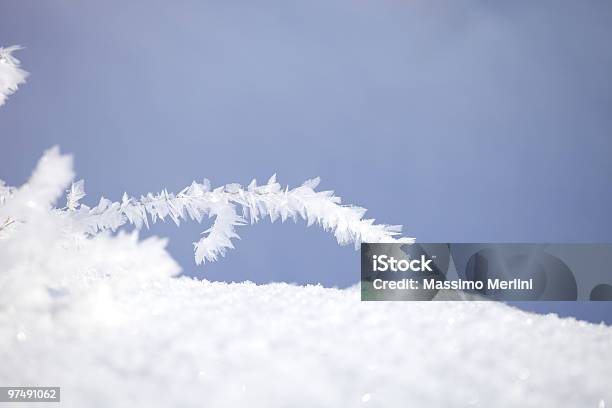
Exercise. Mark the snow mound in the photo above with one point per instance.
(189, 343)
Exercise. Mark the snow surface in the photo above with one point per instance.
(189, 343)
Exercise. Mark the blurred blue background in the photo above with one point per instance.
(464, 121)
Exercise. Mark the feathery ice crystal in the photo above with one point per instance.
(11, 76)
(231, 206)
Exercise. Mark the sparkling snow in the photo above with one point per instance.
(189, 343)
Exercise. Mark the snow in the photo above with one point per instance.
(189, 343)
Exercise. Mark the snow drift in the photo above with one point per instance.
(188, 343)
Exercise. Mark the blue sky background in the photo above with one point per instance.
(463, 121)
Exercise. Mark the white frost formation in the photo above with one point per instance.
(11, 76)
(194, 202)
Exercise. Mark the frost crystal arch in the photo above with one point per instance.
(231, 206)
